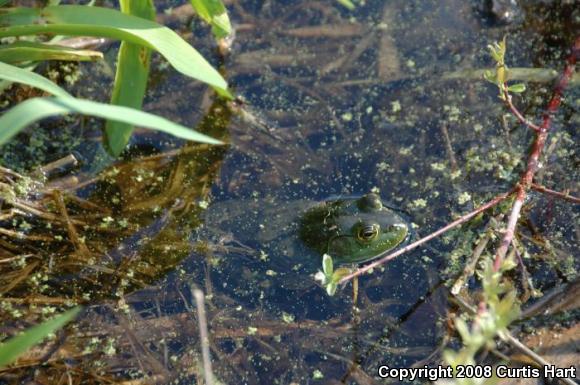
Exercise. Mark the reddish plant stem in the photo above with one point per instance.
(515, 111)
(411, 246)
(565, 195)
(534, 157)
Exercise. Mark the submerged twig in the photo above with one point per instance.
(203, 335)
(471, 264)
(515, 343)
(449, 148)
(562, 195)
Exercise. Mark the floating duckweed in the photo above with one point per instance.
(317, 375)
(455, 174)
(406, 150)
(288, 318)
(464, 198)
(438, 166)
(347, 116)
(91, 346)
(419, 203)
(396, 106)
(109, 349)
(383, 166)
(25, 226)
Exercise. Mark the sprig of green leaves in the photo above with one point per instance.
(501, 75)
(329, 277)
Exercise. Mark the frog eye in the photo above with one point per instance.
(367, 233)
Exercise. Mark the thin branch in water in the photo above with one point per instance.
(526, 282)
(471, 264)
(562, 195)
(203, 335)
(449, 148)
(516, 112)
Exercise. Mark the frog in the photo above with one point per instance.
(294, 236)
(353, 230)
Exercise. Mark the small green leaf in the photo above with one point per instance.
(327, 266)
(517, 88)
(215, 14)
(490, 76)
(347, 4)
(462, 328)
(331, 288)
(14, 347)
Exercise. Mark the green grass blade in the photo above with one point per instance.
(131, 77)
(19, 75)
(74, 20)
(14, 347)
(35, 109)
(347, 4)
(215, 14)
(28, 51)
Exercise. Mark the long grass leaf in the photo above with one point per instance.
(18, 75)
(14, 347)
(131, 77)
(29, 51)
(77, 20)
(35, 109)
(215, 14)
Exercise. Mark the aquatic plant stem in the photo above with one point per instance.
(515, 111)
(464, 218)
(203, 336)
(535, 153)
(562, 195)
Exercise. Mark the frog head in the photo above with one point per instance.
(353, 230)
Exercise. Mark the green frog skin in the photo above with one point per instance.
(353, 230)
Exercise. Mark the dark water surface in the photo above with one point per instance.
(336, 103)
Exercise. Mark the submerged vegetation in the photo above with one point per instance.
(340, 98)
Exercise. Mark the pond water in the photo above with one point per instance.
(335, 103)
